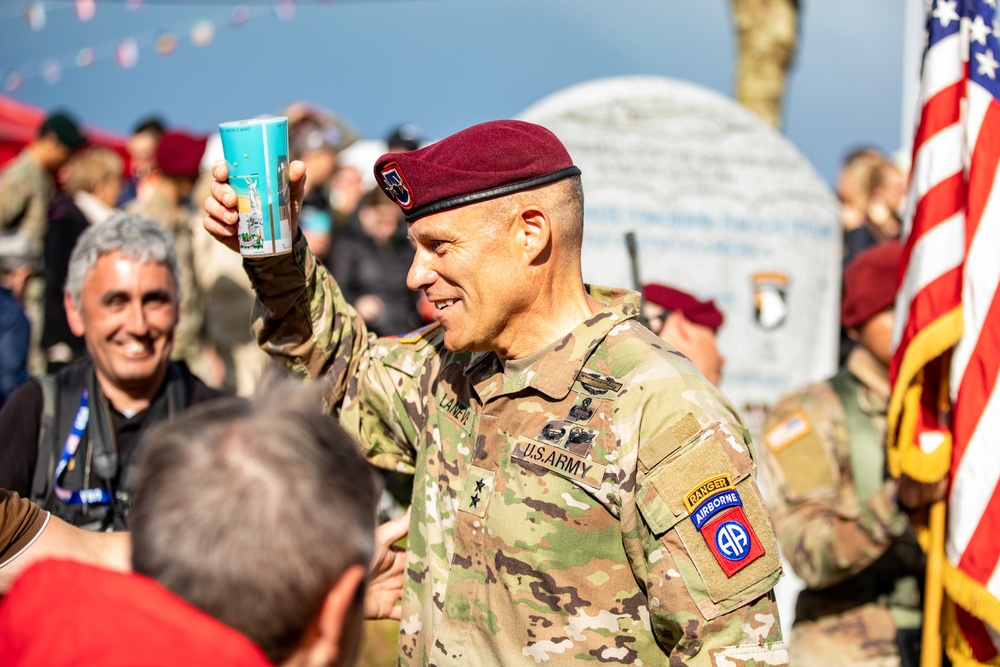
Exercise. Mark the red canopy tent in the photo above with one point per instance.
(19, 124)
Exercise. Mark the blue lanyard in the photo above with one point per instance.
(98, 496)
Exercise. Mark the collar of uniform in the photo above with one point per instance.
(873, 374)
(555, 373)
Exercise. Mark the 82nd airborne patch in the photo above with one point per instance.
(716, 510)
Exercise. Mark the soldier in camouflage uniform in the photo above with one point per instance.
(26, 190)
(834, 506)
(581, 493)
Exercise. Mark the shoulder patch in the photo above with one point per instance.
(793, 427)
(706, 488)
(415, 336)
(716, 509)
(805, 462)
(731, 538)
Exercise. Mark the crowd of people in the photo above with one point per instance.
(578, 487)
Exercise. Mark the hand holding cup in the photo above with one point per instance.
(252, 212)
(222, 220)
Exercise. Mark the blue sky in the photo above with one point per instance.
(447, 64)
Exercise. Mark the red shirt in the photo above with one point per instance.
(61, 613)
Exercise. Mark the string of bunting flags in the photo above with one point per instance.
(126, 52)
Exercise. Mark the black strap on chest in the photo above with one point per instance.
(98, 451)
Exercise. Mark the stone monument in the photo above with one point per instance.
(722, 206)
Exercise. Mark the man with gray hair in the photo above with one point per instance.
(274, 548)
(72, 438)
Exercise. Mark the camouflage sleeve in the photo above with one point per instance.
(304, 321)
(826, 532)
(697, 534)
(385, 401)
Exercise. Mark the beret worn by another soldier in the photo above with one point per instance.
(64, 128)
(485, 161)
(704, 313)
(870, 283)
(179, 154)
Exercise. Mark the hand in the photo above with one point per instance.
(223, 218)
(913, 496)
(385, 576)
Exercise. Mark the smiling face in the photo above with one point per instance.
(469, 266)
(127, 314)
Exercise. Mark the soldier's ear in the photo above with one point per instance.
(535, 229)
(73, 315)
(677, 327)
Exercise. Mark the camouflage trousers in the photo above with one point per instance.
(861, 637)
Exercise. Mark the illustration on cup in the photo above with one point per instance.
(251, 226)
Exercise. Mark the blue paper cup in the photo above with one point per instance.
(256, 151)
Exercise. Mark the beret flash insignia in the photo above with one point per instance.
(395, 186)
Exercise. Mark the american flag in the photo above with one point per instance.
(945, 409)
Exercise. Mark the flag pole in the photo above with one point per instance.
(930, 651)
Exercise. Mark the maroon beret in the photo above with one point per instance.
(179, 154)
(482, 162)
(870, 283)
(700, 312)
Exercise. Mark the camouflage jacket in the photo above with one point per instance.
(850, 546)
(550, 516)
(26, 190)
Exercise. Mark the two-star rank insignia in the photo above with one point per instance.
(716, 510)
(480, 485)
(478, 489)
